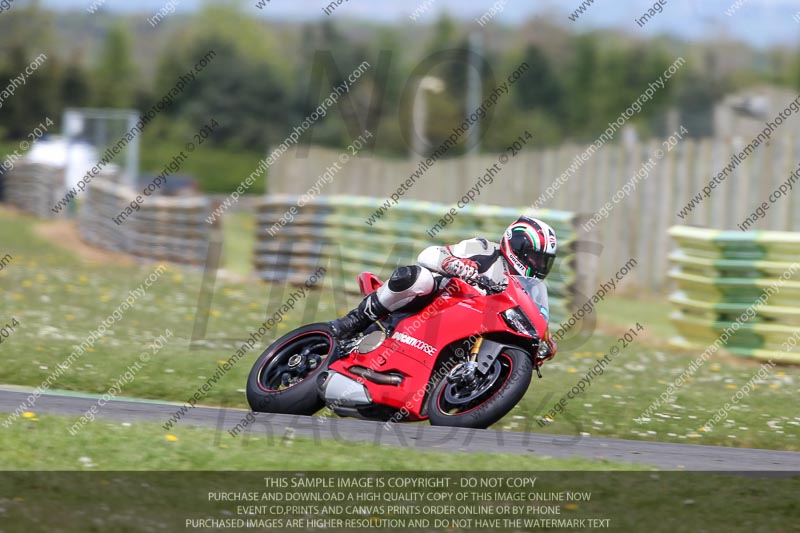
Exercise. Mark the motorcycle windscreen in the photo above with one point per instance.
(532, 288)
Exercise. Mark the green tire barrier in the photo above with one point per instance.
(725, 276)
(332, 232)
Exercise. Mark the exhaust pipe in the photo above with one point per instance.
(340, 390)
(376, 377)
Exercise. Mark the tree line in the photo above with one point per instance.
(267, 76)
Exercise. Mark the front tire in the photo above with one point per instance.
(487, 399)
(283, 378)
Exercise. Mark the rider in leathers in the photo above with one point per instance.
(527, 248)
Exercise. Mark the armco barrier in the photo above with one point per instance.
(721, 274)
(332, 232)
(165, 228)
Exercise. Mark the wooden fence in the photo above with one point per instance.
(636, 226)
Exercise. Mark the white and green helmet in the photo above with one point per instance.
(529, 245)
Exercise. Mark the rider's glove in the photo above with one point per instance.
(466, 269)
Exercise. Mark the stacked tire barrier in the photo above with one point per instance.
(164, 228)
(102, 202)
(34, 188)
(743, 287)
(333, 232)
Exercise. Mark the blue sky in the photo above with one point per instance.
(759, 22)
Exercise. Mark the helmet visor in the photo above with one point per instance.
(539, 263)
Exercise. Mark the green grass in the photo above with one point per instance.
(636, 377)
(59, 300)
(43, 443)
(620, 312)
(7, 147)
(240, 239)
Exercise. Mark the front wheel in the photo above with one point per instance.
(465, 398)
(283, 377)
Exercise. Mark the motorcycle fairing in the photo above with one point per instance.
(453, 316)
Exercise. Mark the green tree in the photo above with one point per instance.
(245, 98)
(75, 87)
(115, 75)
(541, 88)
(696, 100)
(18, 25)
(38, 98)
(329, 55)
(583, 80)
(444, 34)
(34, 101)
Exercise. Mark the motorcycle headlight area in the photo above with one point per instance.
(517, 320)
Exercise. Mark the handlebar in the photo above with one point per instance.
(482, 282)
(489, 285)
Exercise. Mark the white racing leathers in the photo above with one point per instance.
(412, 286)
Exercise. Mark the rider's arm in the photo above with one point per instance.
(478, 250)
(432, 257)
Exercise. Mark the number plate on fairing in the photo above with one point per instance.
(371, 341)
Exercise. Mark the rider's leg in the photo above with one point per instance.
(368, 311)
(406, 285)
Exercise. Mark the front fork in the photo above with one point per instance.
(483, 362)
(466, 371)
(473, 353)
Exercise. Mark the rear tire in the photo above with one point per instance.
(450, 404)
(283, 378)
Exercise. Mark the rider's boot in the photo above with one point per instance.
(357, 320)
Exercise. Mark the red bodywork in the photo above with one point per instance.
(459, 312)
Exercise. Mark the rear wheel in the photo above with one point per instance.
(283, 377)
(465, 398)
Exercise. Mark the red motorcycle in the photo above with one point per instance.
(466, 359)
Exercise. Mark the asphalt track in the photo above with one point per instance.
(662, 455)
